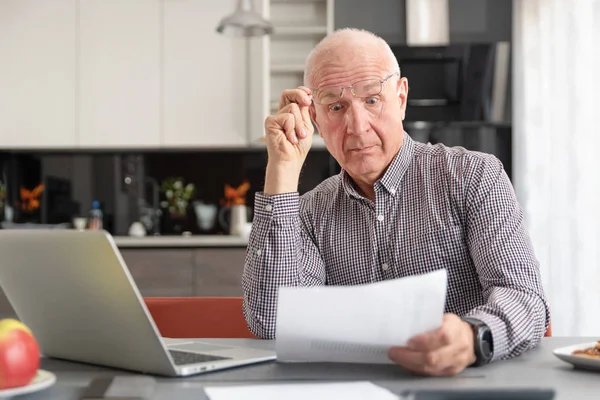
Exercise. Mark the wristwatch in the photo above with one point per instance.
(482, 341)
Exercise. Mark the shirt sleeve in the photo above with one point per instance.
(281, 252)
(516, 309)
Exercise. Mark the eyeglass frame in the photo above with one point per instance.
(342, 88)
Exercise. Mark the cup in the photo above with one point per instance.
(80, 223)
(206, 214)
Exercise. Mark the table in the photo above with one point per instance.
(537, 368)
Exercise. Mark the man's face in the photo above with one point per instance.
(363, 132)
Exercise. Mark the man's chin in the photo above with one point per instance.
(365, 171)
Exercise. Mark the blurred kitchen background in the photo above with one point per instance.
(111, 129)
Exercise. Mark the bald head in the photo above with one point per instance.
(348, 44)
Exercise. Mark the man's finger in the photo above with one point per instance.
(281, 124)
(446, 361)
(444, 358)
(410, 360)
(289, 125)
(302, 115)
(431, 340)
(298, 96)
(299, 125)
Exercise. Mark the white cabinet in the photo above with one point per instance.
(277, 61)
(204, 77)
(37, 74)
(119, 73)
(146, 74)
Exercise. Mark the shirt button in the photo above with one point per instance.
(380, 217)
(385, 266)
(393, 191)
(268, 207)
(258, 252)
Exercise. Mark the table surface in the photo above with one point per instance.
(537, 368)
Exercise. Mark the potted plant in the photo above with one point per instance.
(177, 197)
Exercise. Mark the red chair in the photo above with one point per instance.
(206, 317)
(199, 317)
(549, 330)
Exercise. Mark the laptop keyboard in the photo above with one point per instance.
(184, 357)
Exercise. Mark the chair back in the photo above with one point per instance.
(206, 317)
(199, 317)
(549, 330)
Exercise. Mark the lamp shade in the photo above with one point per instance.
(244, 22)
(427, 23)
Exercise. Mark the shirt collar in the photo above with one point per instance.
(393, 175)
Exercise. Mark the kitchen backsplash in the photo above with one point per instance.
(55, 188)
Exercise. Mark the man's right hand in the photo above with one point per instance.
(289, 138)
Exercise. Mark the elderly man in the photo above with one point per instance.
(397, 208)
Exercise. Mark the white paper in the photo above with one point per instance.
(301, 391)
(357, 324)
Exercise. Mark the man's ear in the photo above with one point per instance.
(402, 91)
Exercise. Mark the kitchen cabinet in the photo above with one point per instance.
(161, 272)
(204, 94)
(218, 272)
(119, 58)
(37, 74)
(277, 61)
(174, 272)
(146, 74)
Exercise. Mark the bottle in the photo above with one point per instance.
(95, 219)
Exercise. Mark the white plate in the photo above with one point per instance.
(566, 354)
(44, 379)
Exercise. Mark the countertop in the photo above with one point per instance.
(180, 241)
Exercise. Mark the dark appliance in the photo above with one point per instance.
(449, 83)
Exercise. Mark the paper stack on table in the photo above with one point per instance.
(357, 324)
(301, 391)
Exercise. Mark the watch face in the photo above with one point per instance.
(487, 345)
(486, 339)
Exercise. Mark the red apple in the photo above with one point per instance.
(19, 354)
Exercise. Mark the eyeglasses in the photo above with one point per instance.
(330, 94)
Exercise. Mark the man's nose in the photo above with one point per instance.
(357, 119)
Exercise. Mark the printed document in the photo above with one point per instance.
(357, 324)
(301, 391)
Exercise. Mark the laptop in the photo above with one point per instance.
(74, 291)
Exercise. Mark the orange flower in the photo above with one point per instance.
(30, 198)
(235, 196)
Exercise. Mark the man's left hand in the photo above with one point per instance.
(447, 351)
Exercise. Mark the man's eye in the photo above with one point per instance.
(335, 107)
(372, 100)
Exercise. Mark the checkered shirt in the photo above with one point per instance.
(435, 207)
